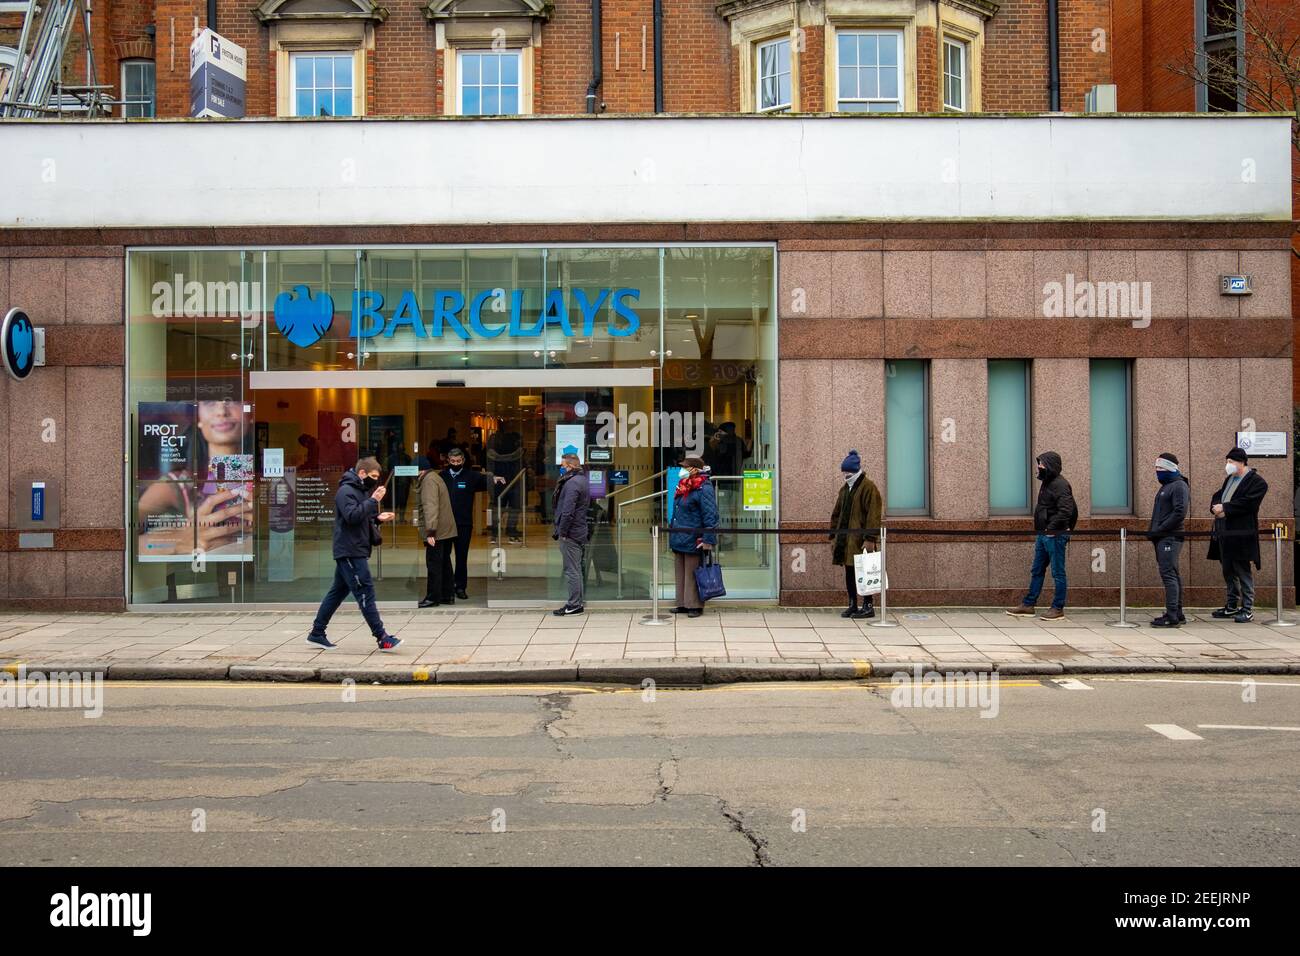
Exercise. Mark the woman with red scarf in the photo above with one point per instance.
(694, 506)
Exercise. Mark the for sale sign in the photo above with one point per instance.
(218, 71)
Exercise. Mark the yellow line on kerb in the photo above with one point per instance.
(12, 668)
(795, 686)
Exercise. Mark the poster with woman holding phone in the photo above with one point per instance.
(195, 481)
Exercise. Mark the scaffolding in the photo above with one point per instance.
(31, 74)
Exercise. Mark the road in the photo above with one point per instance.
(774, 774)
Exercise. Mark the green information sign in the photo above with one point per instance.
(757, 491)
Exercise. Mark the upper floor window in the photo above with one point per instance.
(870, 71)
(138, 89)
(1219, 30)
(773, 91)
(322, 84)
(489, 82)
(954, 76)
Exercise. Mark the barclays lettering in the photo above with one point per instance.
(304, 317)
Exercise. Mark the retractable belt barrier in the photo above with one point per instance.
(923, 534)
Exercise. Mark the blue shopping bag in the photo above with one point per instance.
(708, 578)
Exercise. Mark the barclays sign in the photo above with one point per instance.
(304, 318)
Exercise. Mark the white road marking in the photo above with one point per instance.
(1069, 683)
(1194, 680)
(1243, 727)
(1174, 732)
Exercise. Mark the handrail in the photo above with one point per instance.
(523, 511)
(618, 532)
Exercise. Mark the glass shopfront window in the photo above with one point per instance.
(257, 377)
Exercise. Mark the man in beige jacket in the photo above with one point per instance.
(438, 526)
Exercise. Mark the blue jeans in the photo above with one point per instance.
(351, 576)
(1048, 549)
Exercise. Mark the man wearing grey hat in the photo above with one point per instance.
(1166, 533)
(1234, 540)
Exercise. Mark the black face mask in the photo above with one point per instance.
(1043, 474)
(370, 484)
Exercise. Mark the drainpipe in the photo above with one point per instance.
(1053, 58)
(659, 55)
(212, 15)
(596, 61)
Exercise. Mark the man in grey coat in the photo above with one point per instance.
(572, 497)
(1166, 533)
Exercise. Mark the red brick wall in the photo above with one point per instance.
(698, 58)
(928, 99)
(1084, 35)
(1015, 57)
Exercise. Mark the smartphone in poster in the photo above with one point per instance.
(199, 508)
(571, 439)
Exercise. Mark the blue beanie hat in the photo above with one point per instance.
(852, 462)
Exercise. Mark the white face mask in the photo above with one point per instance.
(1230, 468)
(849, 476)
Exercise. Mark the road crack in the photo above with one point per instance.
(757, 843)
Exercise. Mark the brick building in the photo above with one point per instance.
(456, 251)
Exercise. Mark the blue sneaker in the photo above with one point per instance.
(321, 641)
(389, 643)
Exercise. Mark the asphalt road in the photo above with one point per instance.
(798, 773)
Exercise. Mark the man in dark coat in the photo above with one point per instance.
(572, 497)
(857, 505)
(463, 483)
(1234, 540)
(1166, 533)
(1055, 515)
(356, 532)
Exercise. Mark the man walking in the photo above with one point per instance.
(572, 496)
(463, 483)
(1055, 515)
(1166, 533)
(356, 531)
(1234, 540)
(439, 530)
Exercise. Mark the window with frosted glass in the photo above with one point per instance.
(870, 71)
(1009, 436)
(489, 83)
(1111, 415)
(907, 438)
(774, 76)
(322, 84)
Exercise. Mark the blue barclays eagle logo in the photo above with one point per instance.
(21, 339)
(302, 318)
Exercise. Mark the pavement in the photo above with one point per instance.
(1069, 772)
(726, 644)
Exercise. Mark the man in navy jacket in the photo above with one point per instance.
(356, 532)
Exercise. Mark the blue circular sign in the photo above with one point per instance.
(18, 344)
(580, 409)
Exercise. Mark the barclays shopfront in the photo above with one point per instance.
(257, 376)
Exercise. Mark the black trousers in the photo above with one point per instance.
(851, 584)
(460, 545)
(437, 561)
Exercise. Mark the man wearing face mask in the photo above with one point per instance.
(356, 531)
(1166, 533)
(858, 505)
(1055, 515)
(1234, 540)
(463, 483)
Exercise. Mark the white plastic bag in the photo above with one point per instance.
(866, 566)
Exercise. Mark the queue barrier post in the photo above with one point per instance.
(654, 618)
(1123, 583)
(1277, 552)
(884, 587)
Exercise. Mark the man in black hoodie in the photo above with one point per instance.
(1166, 533)
(1054, 519)
(356, 531)
(463, 483)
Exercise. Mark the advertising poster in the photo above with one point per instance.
(281, 520)
(571, 439)
(195, 482)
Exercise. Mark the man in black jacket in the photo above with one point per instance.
(356, 531)
(1234, 540)
(1166, 533)
(463, 483)
(1054, 519)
